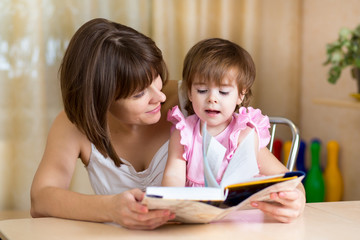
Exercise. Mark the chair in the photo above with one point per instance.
(295, 139)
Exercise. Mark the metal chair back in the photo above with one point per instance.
(295, 139)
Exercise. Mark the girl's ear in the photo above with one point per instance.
(189, 95)
(241, 98)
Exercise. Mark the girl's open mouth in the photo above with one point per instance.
(212, 111)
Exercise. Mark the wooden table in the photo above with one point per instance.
(335, 220)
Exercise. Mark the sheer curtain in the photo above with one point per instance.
(269, 30)
(35, 33)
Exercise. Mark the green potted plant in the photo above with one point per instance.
(344, 52)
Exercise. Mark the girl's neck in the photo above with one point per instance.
(216, 129)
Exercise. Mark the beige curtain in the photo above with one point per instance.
(35, 33)
(269, 30)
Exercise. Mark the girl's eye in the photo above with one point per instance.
(139, 95)
(223, 92)
(201, 91)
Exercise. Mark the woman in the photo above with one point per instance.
(113, 120)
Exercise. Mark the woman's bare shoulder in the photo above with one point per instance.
(62, 124)
(63, 133)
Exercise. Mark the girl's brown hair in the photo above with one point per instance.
(211, 60)
(105, 61)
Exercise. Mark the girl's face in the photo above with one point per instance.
(215, 104)
(142, 108)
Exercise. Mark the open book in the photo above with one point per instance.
(237, 189)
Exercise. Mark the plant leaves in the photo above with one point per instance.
(345, 33)
(357, 62)
(343, 52)
(336, 57)
(334, 74)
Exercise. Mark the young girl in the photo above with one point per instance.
(217, 78)
(111, 83)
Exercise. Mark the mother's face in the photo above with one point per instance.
(142, 107)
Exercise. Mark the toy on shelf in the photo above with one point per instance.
(332, 175)
(314, 182)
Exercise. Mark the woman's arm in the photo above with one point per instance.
(55, 171)
(50, 194)
(175, 170)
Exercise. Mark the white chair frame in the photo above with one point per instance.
(295, 139)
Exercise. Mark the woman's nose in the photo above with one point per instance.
(158, 95)
(162, 96)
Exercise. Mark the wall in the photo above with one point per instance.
(322, 20)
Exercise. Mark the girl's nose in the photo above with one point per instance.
(212, 97)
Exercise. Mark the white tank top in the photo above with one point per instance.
(106, 178)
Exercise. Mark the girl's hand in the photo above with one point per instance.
(127, 211)
(287, 206)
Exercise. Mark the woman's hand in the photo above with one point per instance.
(286, 206)
(130, 213)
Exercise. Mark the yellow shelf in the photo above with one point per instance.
(337, 103)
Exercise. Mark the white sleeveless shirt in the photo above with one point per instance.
(106, 178)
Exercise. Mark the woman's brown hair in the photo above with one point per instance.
(211, 60)
(105, 61)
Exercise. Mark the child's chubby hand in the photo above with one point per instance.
(127, 211)
(286, 206)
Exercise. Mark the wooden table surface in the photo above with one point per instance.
(332, 220)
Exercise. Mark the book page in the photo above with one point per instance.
(186, 211)
(215, 154)
(186, 193)
(243, 166)
(209, 177)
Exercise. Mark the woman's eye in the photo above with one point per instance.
(139, 95)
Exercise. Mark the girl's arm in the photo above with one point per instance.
(175, 170)
(288, 205)
(50, 194)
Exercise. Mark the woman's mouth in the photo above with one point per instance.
(155, 110)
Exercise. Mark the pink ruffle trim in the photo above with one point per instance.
(176, 117)
(259, 122)
(253, 118)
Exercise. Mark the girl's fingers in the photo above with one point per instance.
(278, 211)
(285, 206)
(291, 195)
